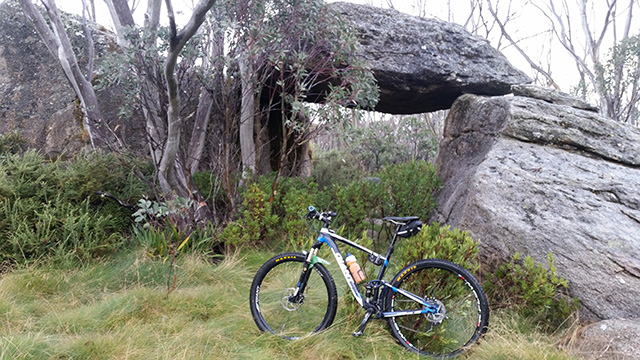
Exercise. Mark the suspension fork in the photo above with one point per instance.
(311, 260)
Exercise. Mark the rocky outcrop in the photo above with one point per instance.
(34, 93)
(423, 65)
(420, 64)
(36, 98)
(610, 339)
(539, 175)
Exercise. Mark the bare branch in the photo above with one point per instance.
(519, 49)
(90, 45)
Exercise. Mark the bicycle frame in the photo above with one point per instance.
(330, 238)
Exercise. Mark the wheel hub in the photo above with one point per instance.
(289, 301)
(439, 315)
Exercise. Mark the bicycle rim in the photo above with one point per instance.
(463, 314)
(278, 313)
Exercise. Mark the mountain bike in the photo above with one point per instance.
(433, 307)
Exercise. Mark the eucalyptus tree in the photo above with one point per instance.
(598, 37)
(266, 58)
(164, 132)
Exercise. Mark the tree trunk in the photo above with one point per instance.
(172, 175)
(247, 117)
(122, 18)
(57, 41)
(198, 135)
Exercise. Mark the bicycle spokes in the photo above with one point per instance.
(277, 308)
(453, 318)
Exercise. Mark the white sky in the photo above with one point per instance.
(530, 23)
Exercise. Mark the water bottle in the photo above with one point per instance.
(356, 271)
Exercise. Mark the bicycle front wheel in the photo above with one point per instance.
(275, 308)
(458, 312)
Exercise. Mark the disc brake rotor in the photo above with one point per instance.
(286, 302)
(436, 318)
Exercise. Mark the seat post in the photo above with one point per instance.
(393, 241)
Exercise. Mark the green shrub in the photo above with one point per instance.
(410, 187)
(49, 208)
(167, 227)
(272, 218)
(335, 167)
(210, 186)
(399, 190)
(27, 175)
(57, 229)
(358, 205)
(436, 241)
(163, 226)
(87, 173)
(12, 143)
(295, 198)
(256, 221)
(534, 291)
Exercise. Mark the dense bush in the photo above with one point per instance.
(268, 216)
(410, 187)
(536, 292)
(399, 190)
(335, 167)
(437, 241)
(404, 189)
(49, 208)
(256, 222)
(12, 143)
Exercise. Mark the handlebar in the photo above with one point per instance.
(325, 217)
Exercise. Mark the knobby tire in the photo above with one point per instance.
(270, 297)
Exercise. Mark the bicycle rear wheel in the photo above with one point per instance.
(276, 310)
(463, 311)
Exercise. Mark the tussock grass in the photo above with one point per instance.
(119, 309)
(511, 337)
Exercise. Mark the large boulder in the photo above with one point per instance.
(34, 93)
(423, 65)
(540, 175)
(36, 98)
(609, 339)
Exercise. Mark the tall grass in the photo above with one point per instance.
(119, 309)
